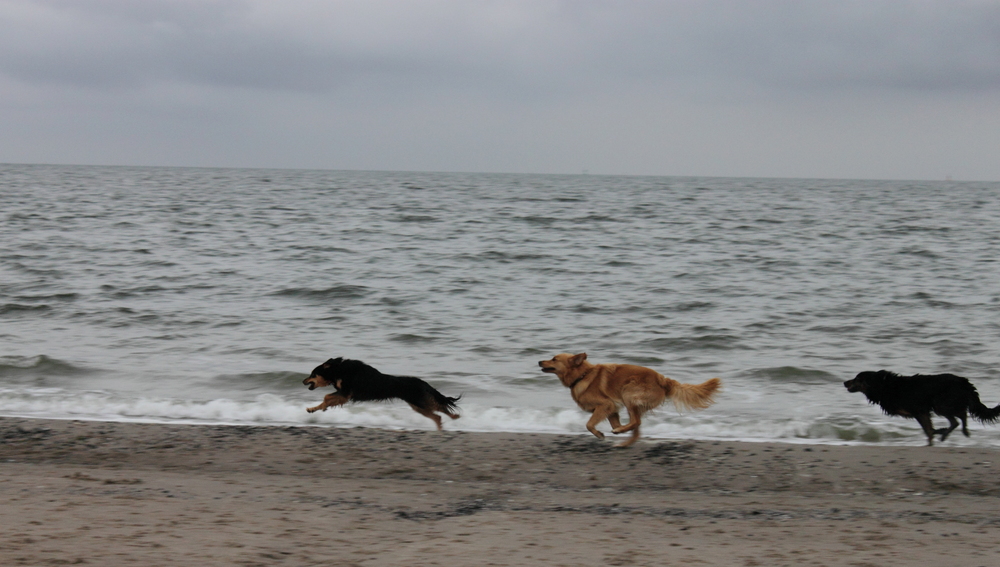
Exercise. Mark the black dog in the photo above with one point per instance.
(355, 381)
(917, 396)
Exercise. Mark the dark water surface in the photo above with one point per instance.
(206, 295)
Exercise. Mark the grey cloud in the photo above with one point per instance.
(533, 48)
(839, 88)
(808, 45)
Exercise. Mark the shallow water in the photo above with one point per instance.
(206, 295)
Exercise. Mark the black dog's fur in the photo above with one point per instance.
(917, 396)
(355, 381)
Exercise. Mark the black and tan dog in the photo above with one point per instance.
(604, 388)
(355, 381)
(917, 396)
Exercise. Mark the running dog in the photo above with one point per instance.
(355, 381)
(605, 388)
(917, 396)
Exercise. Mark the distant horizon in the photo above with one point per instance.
(459, 172)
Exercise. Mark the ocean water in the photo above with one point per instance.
(207, 295)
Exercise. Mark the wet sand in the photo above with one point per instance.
(119, 494)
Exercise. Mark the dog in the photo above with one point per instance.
(605, 388)
(355, 381)
(916, 396)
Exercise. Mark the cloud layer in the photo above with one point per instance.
(505, 85)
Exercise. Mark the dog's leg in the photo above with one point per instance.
(634, 420)
(965, 425)
(599, 415)
(428, 413)
(631, 440)
(945, 431)
(329, 400)
(615, 421)
(447, 412)
(924, 419)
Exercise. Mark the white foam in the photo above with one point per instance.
(272, 409)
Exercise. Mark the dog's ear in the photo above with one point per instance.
(578, 359)
(332, 362)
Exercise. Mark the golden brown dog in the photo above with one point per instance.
(604, 388)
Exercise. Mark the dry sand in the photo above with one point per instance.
(116, 494)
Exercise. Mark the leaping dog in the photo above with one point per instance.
(355, 381)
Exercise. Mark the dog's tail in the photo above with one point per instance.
(691, 396)
(981, 412)
(446, 404)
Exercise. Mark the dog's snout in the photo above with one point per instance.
(547, 366)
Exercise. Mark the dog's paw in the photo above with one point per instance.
(598, 434)
(311, 410)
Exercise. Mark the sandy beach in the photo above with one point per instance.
(117, 493)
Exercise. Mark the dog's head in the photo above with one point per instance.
(865, 381)
(324, 375)
(562, 365)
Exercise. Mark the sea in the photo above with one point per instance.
(199, 295)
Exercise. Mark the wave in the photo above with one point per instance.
(19, 367)
(793, 374)
(593, 217)
(417, 218)
(141, 291)
(20, 308)
(538, 220)
(275, 409)
(685, 306)
(543, 381)
(412, 338)
(70, 296)
(704, 342)
(850, 430)
(336, 292)
(260, 381)
(504, 257)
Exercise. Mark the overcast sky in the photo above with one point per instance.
(842, 89)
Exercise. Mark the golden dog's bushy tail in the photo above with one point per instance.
(691, 396)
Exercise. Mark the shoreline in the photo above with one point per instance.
(122, 492)
(914, 439)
